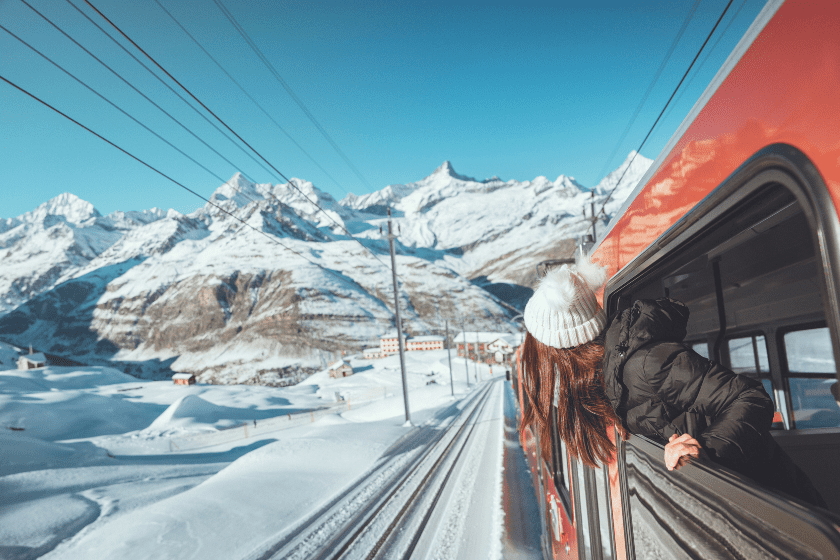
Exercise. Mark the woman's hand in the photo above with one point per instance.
(679, 450)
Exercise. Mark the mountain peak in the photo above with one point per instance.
(446, 170)
(67, 205)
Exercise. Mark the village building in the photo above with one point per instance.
(487, 347)
(32, 361)
(183, 379)
(372, 353)
(340, 369)
(388, 344)
(431, 342)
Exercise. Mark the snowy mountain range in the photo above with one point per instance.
(161, 291)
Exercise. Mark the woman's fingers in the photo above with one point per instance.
(679, 450)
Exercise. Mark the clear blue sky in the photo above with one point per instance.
(514, 89)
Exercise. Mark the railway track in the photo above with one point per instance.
(384, 513)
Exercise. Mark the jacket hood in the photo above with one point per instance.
(647, 321)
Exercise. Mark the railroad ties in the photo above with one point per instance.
(385, 512)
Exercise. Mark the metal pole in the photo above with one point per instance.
(397, 313)
(477, 356)
(449, 356)
(466, 353)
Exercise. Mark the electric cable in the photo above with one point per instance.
(248, 95)
(291, 92)
(170, 88)
(706, 58)
(114, 105)
(662, 112)
(126, 82)
(168, 178)
(206, 108)
(653, 82)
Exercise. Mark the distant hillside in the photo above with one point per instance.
(161, 291)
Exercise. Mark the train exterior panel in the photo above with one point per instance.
(738, 219)
(782, 90)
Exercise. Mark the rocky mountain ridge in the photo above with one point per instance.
(162, 291)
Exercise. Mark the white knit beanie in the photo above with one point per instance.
(564, 312)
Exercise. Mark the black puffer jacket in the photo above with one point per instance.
(660, 387)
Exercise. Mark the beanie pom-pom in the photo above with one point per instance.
(593, 274)
(559, 288)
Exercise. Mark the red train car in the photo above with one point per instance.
(739, 219)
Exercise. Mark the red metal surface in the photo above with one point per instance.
(785, 88)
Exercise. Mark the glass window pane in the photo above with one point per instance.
(813, 404)
(564, 461)
(701, 348)
(583, 522)
(809, 351)
(604, 508)
(749, 355)
(768, 386)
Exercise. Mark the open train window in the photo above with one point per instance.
(753, 272)
(757, 262)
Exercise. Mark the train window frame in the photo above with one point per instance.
(560, 471)
(776, 165)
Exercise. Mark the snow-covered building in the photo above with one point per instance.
(487, 346)
(388, 343)
(340, 369)
(372, 353)
(183, 379)
(32, 361)
(431, 342)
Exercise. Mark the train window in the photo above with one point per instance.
(604, 508)
(582, 508)
(809, 351)
(560, 464)
(701, 348)
(811, 372)
(748, 355)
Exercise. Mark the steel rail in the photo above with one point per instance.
(426, 483)
(358, 522)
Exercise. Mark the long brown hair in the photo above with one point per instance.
(583, 412)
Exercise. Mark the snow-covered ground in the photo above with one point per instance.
(86, 469)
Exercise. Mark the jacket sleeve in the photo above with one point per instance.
(738, 412)
(726, 412)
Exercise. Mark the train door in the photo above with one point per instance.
(756, 262)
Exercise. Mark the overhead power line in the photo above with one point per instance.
(206, 108)
(630, 163)
(126, 82)
(168, 178)
(181, 97)
(248, 95)
(709, 52)
(114, 105)
(291, 92)
(653, 82)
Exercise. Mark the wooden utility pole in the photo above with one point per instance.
(397, 314)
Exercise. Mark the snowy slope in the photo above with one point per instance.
(89, 471)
